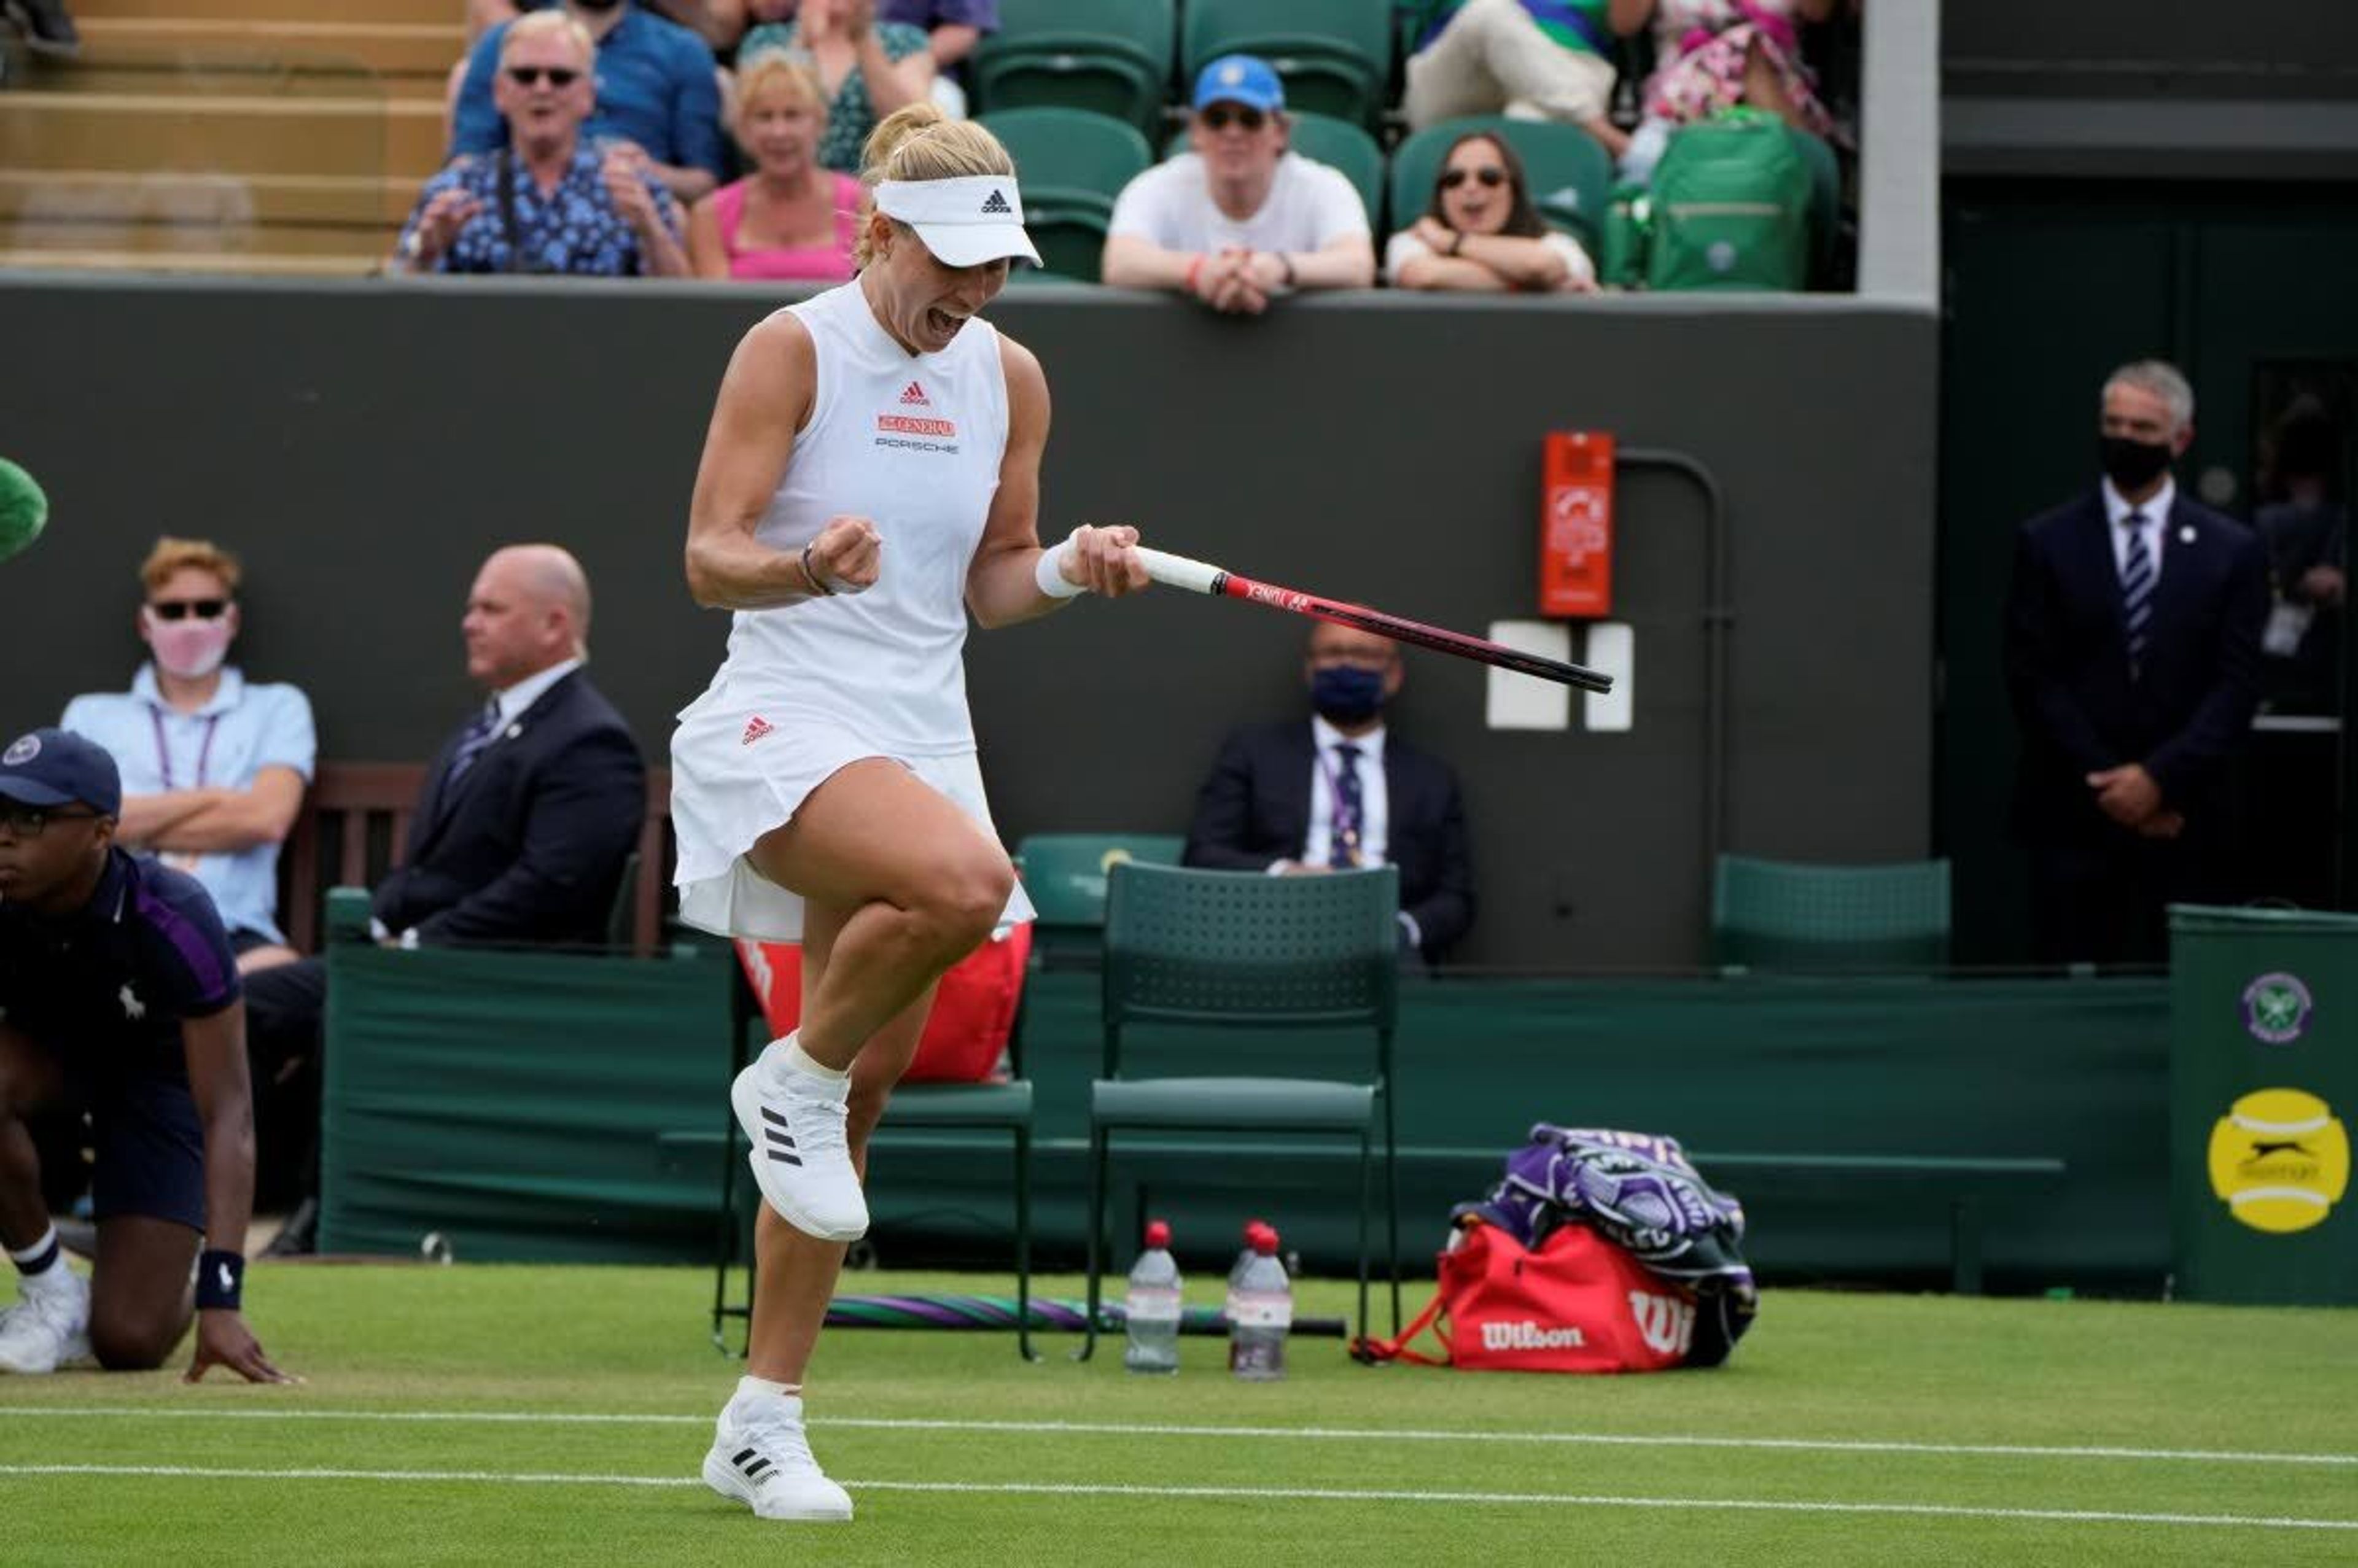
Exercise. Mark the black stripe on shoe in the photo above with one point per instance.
(741, 1454)
(769, 1115)
(753, 1471)
(789, 1159)
(774, 1136)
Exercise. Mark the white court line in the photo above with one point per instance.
(1117, 1429)
(1250, 1494)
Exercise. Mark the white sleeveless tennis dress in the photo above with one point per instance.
(915, 444)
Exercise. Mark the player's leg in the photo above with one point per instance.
(46, 1323)
(919, 885)
(761, 1452)
(139, 1299)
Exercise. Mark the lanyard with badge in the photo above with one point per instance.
(186, 861)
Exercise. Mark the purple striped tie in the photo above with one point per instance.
(2136, 590)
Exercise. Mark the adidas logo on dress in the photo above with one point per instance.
(915, 395)
(995, 205)
(755, 729)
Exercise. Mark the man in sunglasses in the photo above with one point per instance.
(213, 765)
(1240, 220)
(549, 201)
(654, 89)
(118, 996)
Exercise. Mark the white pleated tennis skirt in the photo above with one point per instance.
(736, 776)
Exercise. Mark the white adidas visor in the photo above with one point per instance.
(965, 221)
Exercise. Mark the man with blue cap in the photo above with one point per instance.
(1240, 220)
(118, 996)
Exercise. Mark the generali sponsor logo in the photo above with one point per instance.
(903, 425)
(1529, 1335)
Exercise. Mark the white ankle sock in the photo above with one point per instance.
(763, 1388)
(797, 1060)
(38, 1262)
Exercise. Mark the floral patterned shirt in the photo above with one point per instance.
(851, 116)
(575, 229)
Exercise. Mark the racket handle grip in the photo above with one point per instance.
(1178, 571)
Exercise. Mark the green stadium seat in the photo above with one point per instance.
(1195, 949)
(1572, 177)
(1073, 164)
(1325, 139)
(1111, 56)
(1334, 56)
(1782, 915)
(1065, 876)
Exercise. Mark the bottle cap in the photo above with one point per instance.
(1264, 1241)
(1158, 1233)
(1257, 1229)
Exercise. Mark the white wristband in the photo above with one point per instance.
(1048, 572)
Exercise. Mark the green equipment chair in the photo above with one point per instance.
(1339, 144)
(1200, 949)
(1073, 164)
(1065, 876)
(1111, 56)
(1779, 915)
(1569, 175)
(1334, 56)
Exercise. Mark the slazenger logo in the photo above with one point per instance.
(901, 425)
(1530, 1335)
(1665, 1323)
(1284, 598)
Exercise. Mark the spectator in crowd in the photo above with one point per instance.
(789, 219)
(1297, 799)
(118, 997)
(2132, 646)
(522, 828)
(213, 765)
(1482, 233)
(47, 29)
(1533, 60)
(953, 30)
(2306, 531)
(718, 23)
(547, 202)
(1711, 55)
(1240, 220)
(651, 89)
(868, 68)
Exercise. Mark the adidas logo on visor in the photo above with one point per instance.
(996, 205)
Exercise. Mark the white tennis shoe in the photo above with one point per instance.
(801, 1158)
(761, 1457)
(50, 1324)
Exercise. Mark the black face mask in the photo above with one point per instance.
(2132, 465)
(1344, 694)
(597, 4)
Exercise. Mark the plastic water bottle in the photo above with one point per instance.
(1253, 1228)
(1151, 1319)
(1260, 1310)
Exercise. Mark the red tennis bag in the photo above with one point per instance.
(1578, 1303)
(974, 1011)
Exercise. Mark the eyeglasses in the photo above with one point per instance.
(530, 75)
(1491, 177)
(1220, 116)
(32, 821)
(181, 608)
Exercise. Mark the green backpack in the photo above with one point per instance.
(1730, 207)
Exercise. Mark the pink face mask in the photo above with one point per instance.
(192, 649)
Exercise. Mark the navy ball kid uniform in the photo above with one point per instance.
(104, 990)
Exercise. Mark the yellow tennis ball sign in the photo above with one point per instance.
(2279, 1159)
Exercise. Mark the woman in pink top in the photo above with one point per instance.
(789, 219)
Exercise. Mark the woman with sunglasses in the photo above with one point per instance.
(871, 482)
(546, 202)
(1481, 232)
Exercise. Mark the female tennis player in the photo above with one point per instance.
(871, 475)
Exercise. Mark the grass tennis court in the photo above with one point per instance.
(500, 1414)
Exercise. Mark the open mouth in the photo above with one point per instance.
(941, 323)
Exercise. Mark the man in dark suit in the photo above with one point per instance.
(524, 825)
(1339, 792)
(2132, 630)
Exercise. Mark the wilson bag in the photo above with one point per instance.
(965, 1033)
